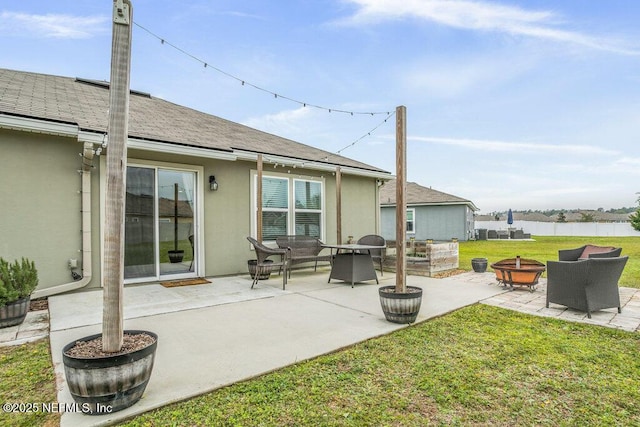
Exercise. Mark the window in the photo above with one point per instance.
(411, 221)
(308, 208)
(291, 206)
(275, 207)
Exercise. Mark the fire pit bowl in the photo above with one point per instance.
(518, 272)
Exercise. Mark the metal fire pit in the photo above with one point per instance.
(508, 273)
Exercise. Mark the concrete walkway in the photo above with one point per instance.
(216, 334)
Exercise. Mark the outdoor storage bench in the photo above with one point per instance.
(303, 249)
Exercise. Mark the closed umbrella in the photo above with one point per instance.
(510, 217)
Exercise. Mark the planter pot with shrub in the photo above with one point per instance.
(17, 281)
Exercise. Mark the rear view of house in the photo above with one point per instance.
(191, 186)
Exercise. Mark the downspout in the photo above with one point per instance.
(87, 160)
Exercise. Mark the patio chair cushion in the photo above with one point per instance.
(593, 249)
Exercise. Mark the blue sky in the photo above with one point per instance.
(528, 104)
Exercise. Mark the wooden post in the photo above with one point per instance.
(112, 317)
(338, 205)
(259, 201)
(401, 205)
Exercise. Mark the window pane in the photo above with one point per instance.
(308, 224)
(308, 195)
(275, 193)
(274, 224)
(139, 235)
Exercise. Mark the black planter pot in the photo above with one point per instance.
(14, 312)
(479, 265)
(176, 256)
(400, 308)
(108, 384)
(263, 272)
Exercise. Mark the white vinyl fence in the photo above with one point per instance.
(592, 229)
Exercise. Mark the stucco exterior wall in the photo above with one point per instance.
(40, 197)
(41, 216)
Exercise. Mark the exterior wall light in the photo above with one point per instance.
(213, 185)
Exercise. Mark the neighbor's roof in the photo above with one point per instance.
(418, 195)
(85, 103)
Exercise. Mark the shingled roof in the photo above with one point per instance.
(417, 195)
(85, 103)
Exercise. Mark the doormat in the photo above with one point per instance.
(187, 282)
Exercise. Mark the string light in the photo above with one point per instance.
(367, 134)
(246, 83)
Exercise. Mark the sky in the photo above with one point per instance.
(521, 104)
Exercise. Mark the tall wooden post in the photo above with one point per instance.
(112, 317)
(259, 201)
(338, 205)
(401, 204)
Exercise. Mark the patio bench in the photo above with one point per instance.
(303, 249)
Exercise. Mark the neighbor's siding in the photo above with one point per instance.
(431, 222)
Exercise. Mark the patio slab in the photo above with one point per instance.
(202, 348)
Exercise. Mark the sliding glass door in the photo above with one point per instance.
(160, 224)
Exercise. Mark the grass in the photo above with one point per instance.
(28, 378)
(480, 365)
(546, 248)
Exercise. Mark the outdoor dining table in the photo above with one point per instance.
(352, 263)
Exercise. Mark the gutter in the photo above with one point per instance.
(87, 158)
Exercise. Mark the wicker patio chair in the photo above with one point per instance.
(586, 285)
(376, 254)
(262, 253)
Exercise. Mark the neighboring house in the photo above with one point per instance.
(431, 214)
(52, 185)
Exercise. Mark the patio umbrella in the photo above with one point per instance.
(510, 217)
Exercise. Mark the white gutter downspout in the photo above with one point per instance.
(87, 159)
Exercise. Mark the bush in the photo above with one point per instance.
(17, 280)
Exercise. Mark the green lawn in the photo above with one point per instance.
(480, 365)
(546, 248)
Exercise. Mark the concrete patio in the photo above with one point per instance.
(216, 334)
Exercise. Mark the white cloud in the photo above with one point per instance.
(284, 122)
(52, 25)
(482, 16)
(508, 146)
(457, 76)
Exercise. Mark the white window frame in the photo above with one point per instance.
(291, 220)
(412, 221)
(296, 210)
